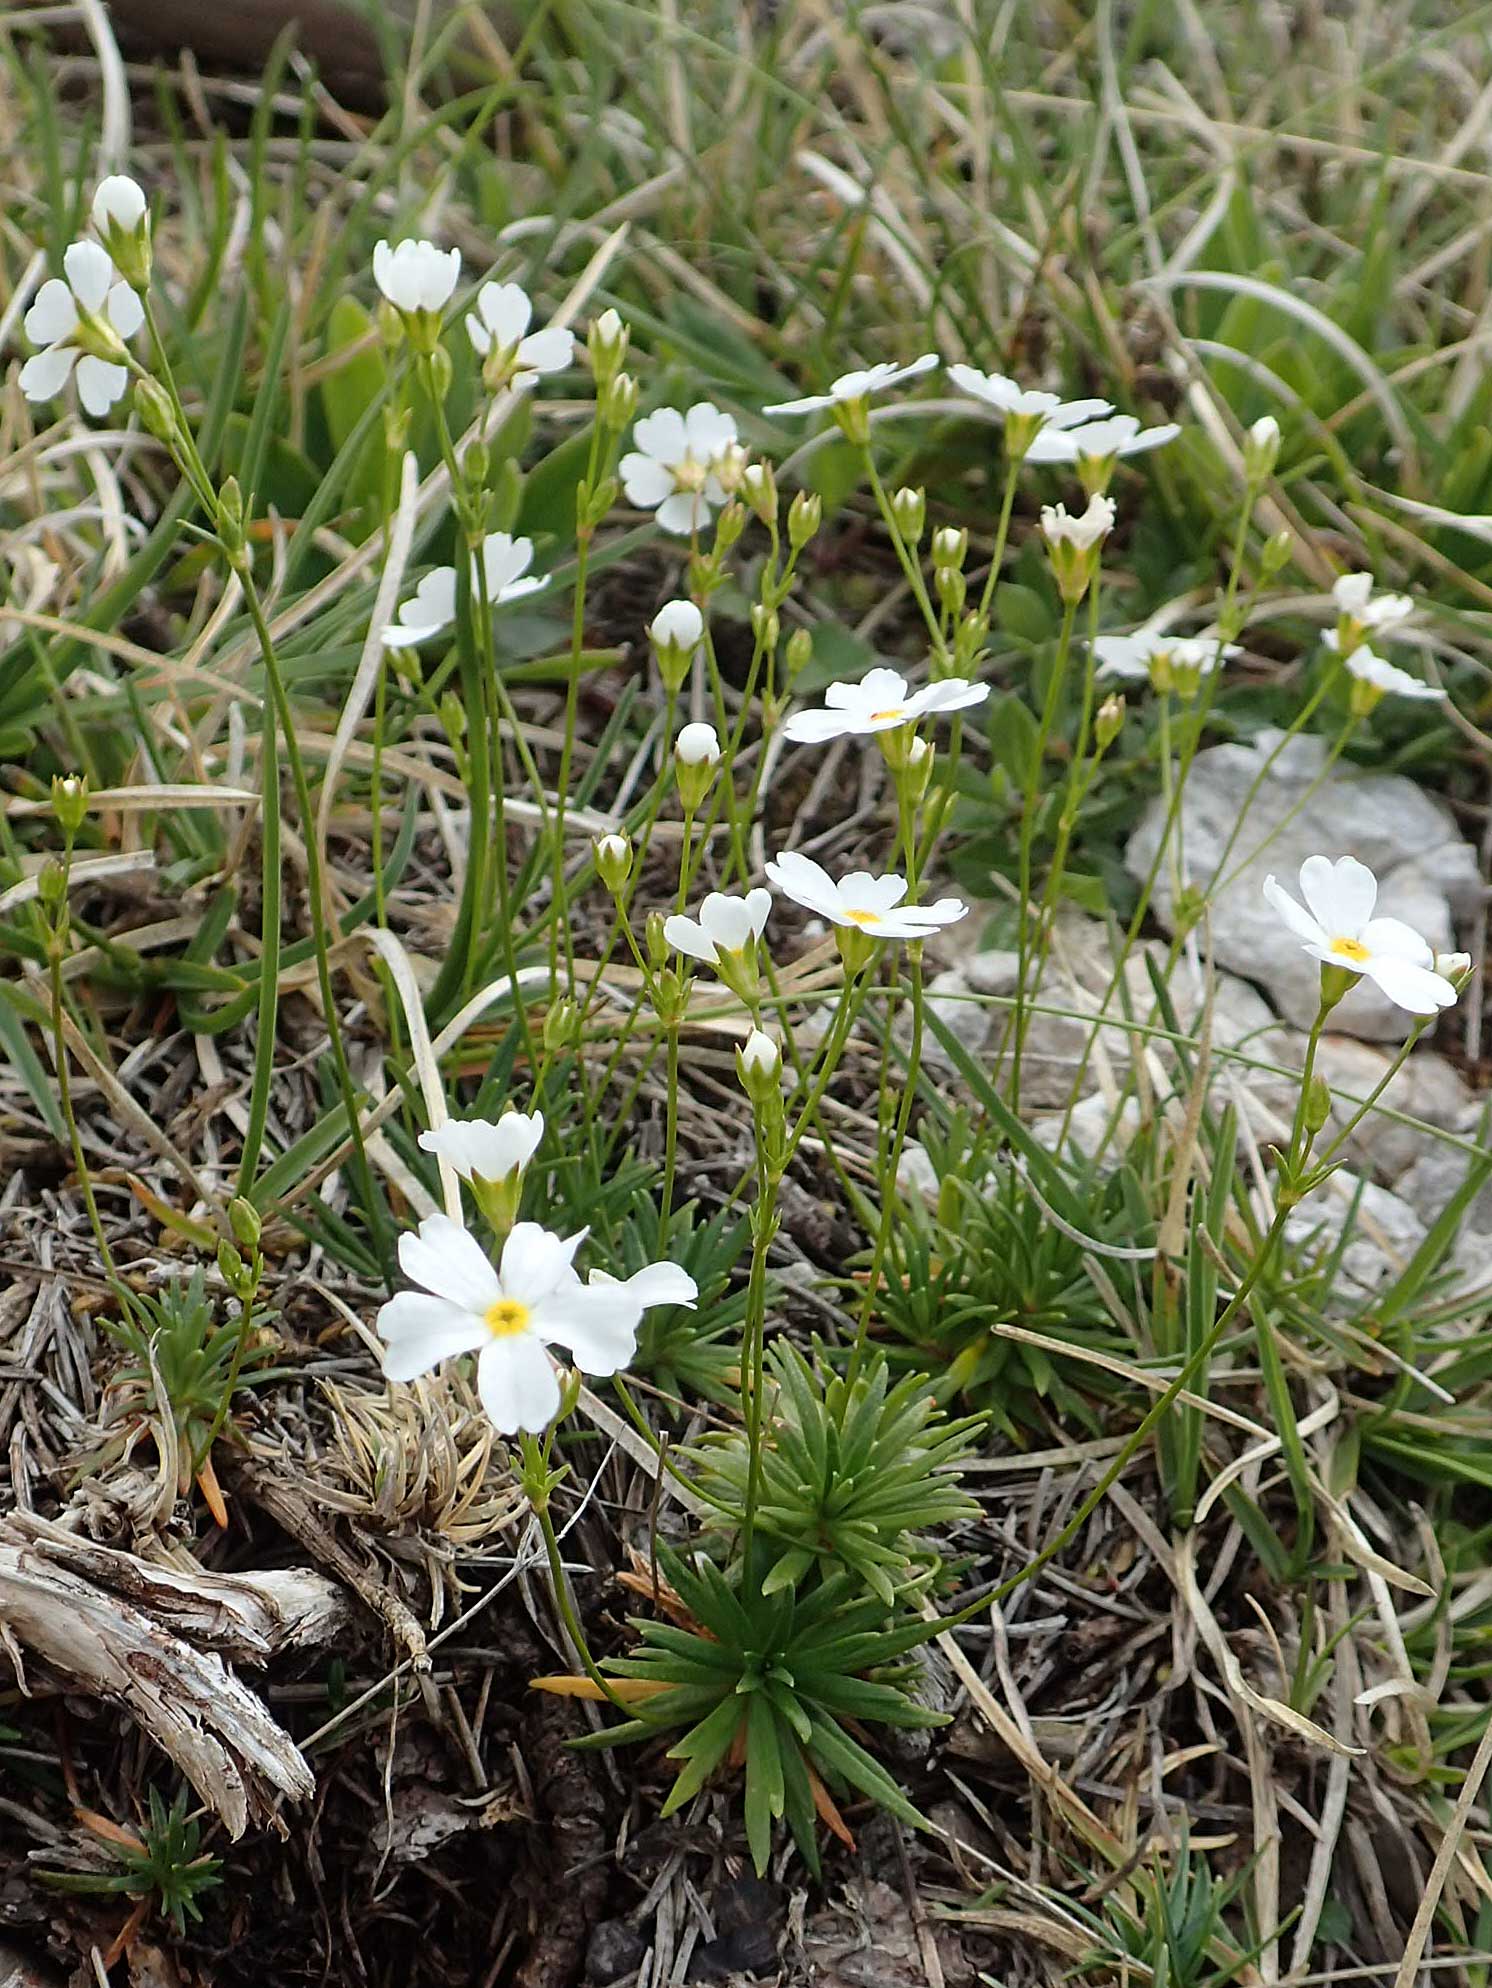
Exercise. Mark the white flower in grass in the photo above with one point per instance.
(499, 329)
(671, 467)
(861, 902)
(1089, 528)
(727, 927)
(416, 276)
(1099, 442)
(82, 324)
(1356, 601)
(879, 702)
(1027, 410)
(1338, 928)
(1376, 678)
(860, 385)
(509, 1316)
(487, 1149)
(505, 562)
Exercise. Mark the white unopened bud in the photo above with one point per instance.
(613, 860)
(676, 631)
(698, 745)
(1261, 447)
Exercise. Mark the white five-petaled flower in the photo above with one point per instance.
(505, 563)
(484, 1149)
(856, 386)
(1085, 530)
(1149, 652)
(1045, 410)
(1387, 678)
(670, 469)
(500, 325)
(879, 702)
(726, 924)
(416, 275)
(1097, 441)
(118, 202)
(1338, 928)
(1354, 596)
(56, 322)
(507, 1315)
(861, 902)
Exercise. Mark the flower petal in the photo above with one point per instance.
(89, 273)
(549, 350)
(708, 430)
(535, 1262)
(661, 435)
(1391, 938)
(1301, 923)
(518, 1384)
(505, 311)
(1413, 987)
(422, 1331)
(660, 1284)
(817, 727)
(486, 1148)
(99, 383)
(645, 481)
(1340, 895)
(448, 1260)
(806, 882)
(54, 314)
(596, 1323)
(44, 376)
(682, 513)
(125, 311)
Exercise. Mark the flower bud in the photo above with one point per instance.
(51, 884)
(476, 466)
(153, 405)
(909, 513)
(1275, 555)
(798, 653)
(231, 1265)
(730, 466)
(230, 524)
(952, 589)
(1317, 1104)
(1261, 448)
(917, 769)
(759, 1065)
(949, 548)
(1109, 722)
(561, 1027)
(70, 801)
(440, 373)
(1454, 967)
(764, 625)
(617, 403)
(123, 222)
(729, 527)
(696, 755)
(676, 631)
(243, 1219)
(759, 489)
(1075, 544)
(653, 934)
(613, 855)
(606, 343)
(804, 516)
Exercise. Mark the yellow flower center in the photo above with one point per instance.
(1350, 949)
(896, 711)
(862, 917)
(505, 1316)
(689, 474)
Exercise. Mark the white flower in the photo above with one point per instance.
(508, 1317)
(726, 924)
(654, 1284)
(1339, 929)
(856, 386)
(501, 320)
(677, 624)
(118, 203)
(1048, 410)
(864, 903)
(1083, 531)
(55, 322)
(481, 1149)
(879, 702)
(697, 745)
(505, 561)
(1385, 677)
(416, 276)
(1353, 594)
(1148, 655)
(1118, 435)
(670, 470)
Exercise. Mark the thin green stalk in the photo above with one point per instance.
(269, 953)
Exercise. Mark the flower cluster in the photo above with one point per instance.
(83, 324)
